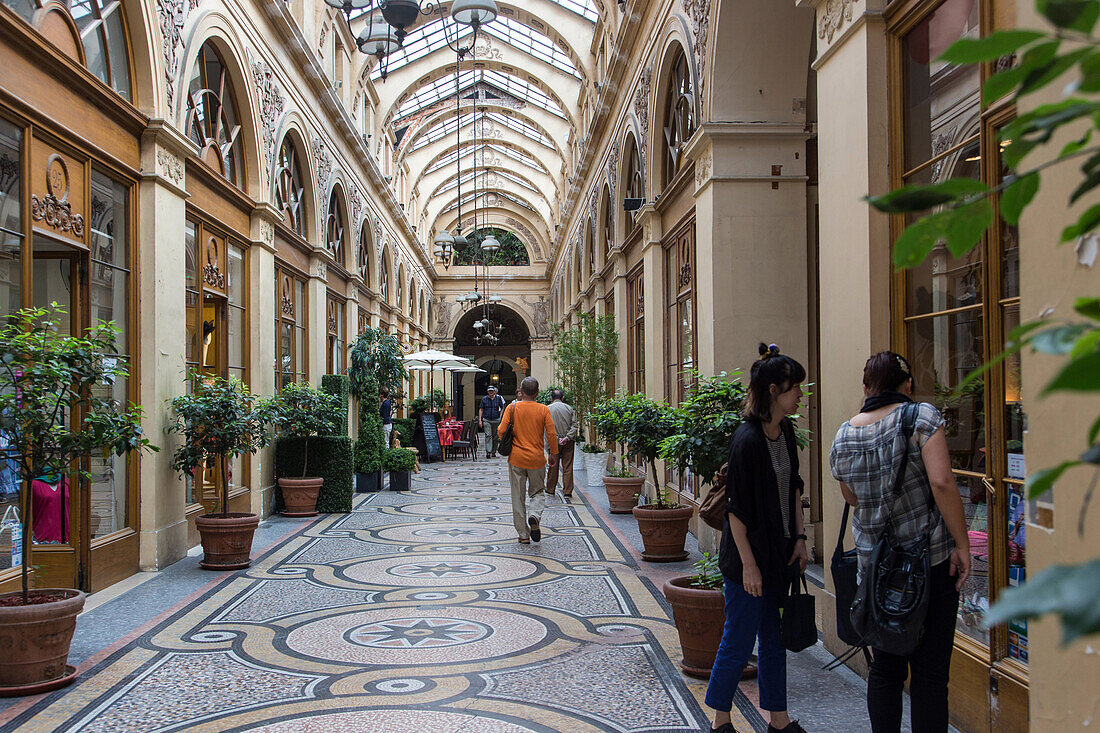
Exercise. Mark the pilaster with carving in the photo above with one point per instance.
(272, 104)
(641, 109)
(173, 15)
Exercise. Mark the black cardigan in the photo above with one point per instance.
(752, 495)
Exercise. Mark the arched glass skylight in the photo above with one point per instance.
(467, 199)
(481, 149)
(467, 180)
(444, 88)
(442, 128)
(432, 36)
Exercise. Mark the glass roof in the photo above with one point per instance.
(445, 127)
(433, 35)
(444, 88)
(477, 148)
(466, 199)
(467, 179)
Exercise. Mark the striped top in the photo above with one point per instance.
(781, 463)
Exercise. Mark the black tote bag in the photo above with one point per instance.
(504, 445)
(845, 568)
(798, 629)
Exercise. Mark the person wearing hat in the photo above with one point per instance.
(488, 419)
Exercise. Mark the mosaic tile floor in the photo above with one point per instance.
(418, 611)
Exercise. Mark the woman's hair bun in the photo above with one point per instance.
(767, 350)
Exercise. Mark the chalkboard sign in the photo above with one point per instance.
(426, 439)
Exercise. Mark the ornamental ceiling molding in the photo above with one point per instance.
(641, 108)
(173, 16)
(832, 18)
(272, 104)
(526, 233)
(484, 49)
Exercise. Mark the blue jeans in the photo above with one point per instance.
(749, 618)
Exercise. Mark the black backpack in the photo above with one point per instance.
(890, 603)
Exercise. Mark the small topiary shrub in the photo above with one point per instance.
(398, 460)
(406, 428)
(330, 457)
(339, 385)
(369, 446)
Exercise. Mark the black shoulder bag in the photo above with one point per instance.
(798, 619)
(504, 445)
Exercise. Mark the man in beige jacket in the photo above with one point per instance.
(566, 426)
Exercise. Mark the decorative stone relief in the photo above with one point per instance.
(170, 166)
(940, 144)
(484, 49)
(57, 214)
(641, 108)
(593, 208)
(322, 271)
(540, 314)
(442, 311)
(356, 205)
(173, 17)
(324, 171)
(703, 167)
(272, 103)
(321, 39)
(699, 10)
(612, 171)
(832, 17)
(267, 233)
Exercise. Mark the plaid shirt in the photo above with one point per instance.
(867, 458)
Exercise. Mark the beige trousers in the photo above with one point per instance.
(527, 483)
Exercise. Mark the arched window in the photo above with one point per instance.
(635, 182)
(102, 28)
(590, 248)
(383, 274)
(679, 124)
(289, 196)
(212, 116)
(511, 252)
(400, 303)
(608, 221)
(334, 229)
(363, 256)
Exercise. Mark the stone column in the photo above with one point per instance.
(854, 243)
(261, 342)
(653, 260)
(622, 316)
(159, 353)
(317, 332)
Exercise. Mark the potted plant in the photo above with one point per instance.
(432, 402)
(663, 524)
(399, 462)
(623, 484)
(705, 422)
(698, 608)
(219, 420)
(52, 417)
(302, 411)
(368, 448)
(585, 358)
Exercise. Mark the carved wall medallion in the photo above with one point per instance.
(484, 49)
(173, 17)
(832, 17)
(321, 39)
(57, 178)
(322, 271)
(684, 280)
(57, 214)
(287, 303)
(171, 167)
(267, 233)
(702, 168)
(272, 103)
(211, 274)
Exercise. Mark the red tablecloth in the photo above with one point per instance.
(448, 434)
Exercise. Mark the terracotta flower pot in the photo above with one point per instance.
(300, 496)
(663, 532)
(622, 493)
(700, 616)
(226, 540)
(36, 639)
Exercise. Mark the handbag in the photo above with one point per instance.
(713, 508)
(798, 617)
(891, 601)
(504, 445)
(845, 570)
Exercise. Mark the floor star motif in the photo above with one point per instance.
(440, 569)
(419, 633)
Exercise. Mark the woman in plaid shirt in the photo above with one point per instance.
(865, 458)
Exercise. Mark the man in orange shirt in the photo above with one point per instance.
(532, 428)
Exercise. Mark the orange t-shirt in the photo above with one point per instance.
(534, 427)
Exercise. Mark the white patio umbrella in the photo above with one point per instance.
(434, 359)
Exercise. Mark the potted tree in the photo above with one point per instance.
(399, 462)
(698, 608)
(302, 411)
(219, 420)
(623, 485)
(53, 414)
(585, 358)
(663, 524)
(368, 447)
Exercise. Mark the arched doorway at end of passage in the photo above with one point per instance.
(499, 359)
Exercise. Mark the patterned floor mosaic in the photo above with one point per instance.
(419, 611)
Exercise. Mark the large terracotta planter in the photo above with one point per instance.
(35, 641)
(226, 540)
(663, 532)
(700, 616)
(622, 493)
(300, 496)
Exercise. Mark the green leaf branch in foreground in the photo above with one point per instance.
(955, 213)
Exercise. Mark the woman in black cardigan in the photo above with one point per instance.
(762, 539)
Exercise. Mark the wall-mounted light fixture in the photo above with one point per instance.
(630, 204)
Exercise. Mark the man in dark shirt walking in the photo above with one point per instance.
(488, 419)
(386, 410)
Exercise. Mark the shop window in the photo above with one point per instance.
(11, 293)
(291, 317)
(679, 329)
(337, 340)
(212, 121)
(679, 120)
(289, 196)
(955, 313)
(635, 349)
